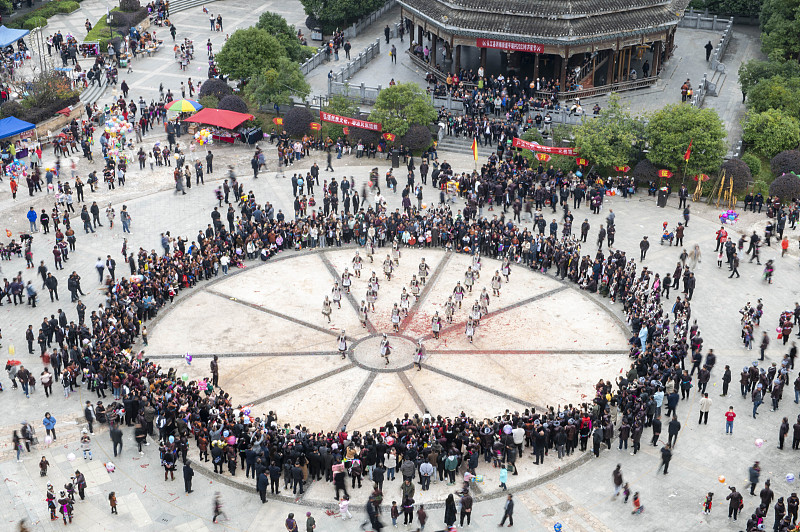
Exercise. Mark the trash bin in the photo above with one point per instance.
(662, 198)
(395, 158)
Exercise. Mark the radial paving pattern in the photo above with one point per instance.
(541, 343)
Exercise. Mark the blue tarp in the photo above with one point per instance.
(10, 36)
(13, 126)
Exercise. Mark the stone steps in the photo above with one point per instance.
(463, 146)
(182, 5)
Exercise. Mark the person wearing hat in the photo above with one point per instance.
(311, 524)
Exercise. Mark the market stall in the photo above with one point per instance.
(223, 123)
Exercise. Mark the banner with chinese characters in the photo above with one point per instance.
(353, 122)
(519, 143)
(510, 45)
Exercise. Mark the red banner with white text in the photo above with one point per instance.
(519, 143)
(353, 122)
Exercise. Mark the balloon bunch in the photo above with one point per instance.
(16, 169)
(730, 216)
(117, 125)
(203, 138)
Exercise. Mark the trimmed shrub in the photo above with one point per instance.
(233, 103)
(11, 108)
(126, 20)
(214, 87)
(785, 162)
(644, 172)
(129, 6)
(739, 171)
(753, 163)
(417, 138)
(786, 187)
(34, 22)
(297, 121)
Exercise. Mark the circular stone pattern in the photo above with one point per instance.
(366, 353)
(543, 342)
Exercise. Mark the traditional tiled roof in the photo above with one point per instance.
(550, 22)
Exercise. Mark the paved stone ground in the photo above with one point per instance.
(578, 498)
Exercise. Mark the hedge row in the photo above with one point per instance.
(35, 115)
(34, 18)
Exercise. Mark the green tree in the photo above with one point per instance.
(670, 130)
(779, 27)
(610, 139)
(771, 132)
(278, 84)
(248, 52)
(755, 70)
(277, 26)
(400, 106)
(776, 92)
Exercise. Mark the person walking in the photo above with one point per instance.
(508, 512)
(666, 456)
(616, 475)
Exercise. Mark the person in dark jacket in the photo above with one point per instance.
(450, 511)
(508, 513)
(261, 486)
(188, 473)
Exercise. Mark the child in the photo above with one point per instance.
(626, 491)
(719, 258)
(86, 445)
(637, 504)
(503, 477)
(70, 487)
(112, 500)
(707, 503)
(344, 503)
(395, 513)
(43, 465)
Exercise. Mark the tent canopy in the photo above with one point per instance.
(10, 36)
(220, 118)
(13, 126)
